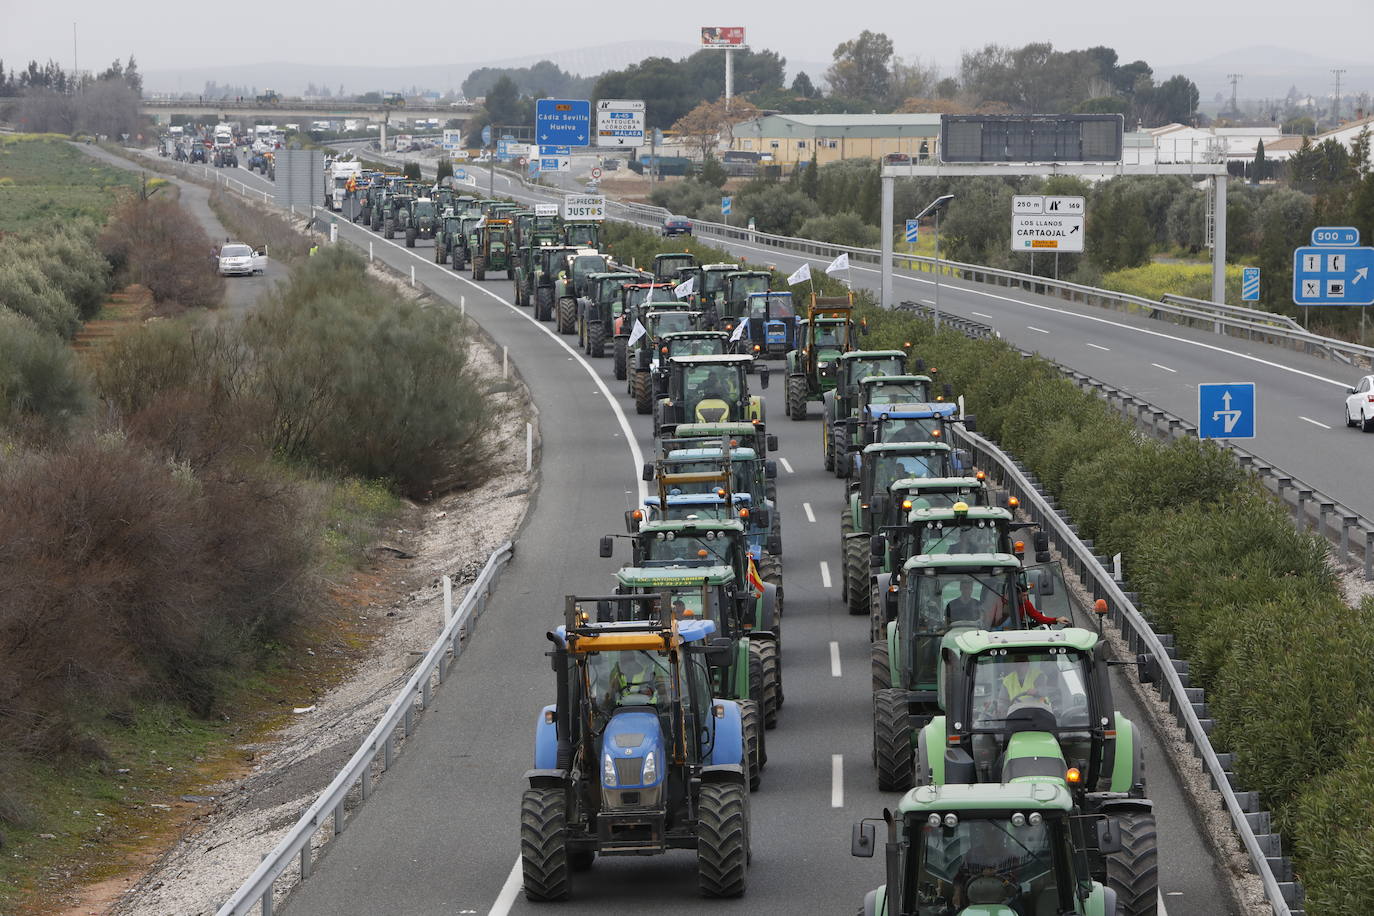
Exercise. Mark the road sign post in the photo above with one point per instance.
(1249, 284)
(1226, 411)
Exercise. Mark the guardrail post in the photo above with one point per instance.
(1303, 496)
(1368, 555)
(388, 754)
(339, 818)
(267, 900)
(1323, 508)
(1347, 521)
(306, 863)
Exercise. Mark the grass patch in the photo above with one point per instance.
(1155, 280)
(44, 182)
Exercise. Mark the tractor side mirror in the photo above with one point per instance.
(1041, 541)
(877, 546)
(862, 840)
(1108, 836)
(971, 423)
(648, 471)
(761, 518)
(770, 470)
(763, 376)
(948, 390)
(718, 652)
(920, 366)
(607, 548)
(772, 442)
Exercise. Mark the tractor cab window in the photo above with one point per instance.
(909, 429)
(889, 467)
(1008, 684)
(863, 368)
(743, 287)
(986, 863)
(679, 548)
(628, 678)
(686, 512)
(669, 322)
(551, 261)
(942, 499)
(424, 209)
(714, 389)
(943, 599)
(985, 538)
(582, 236)
(610, 294)
(828, 335)
(695, 346)
(741, 475)
(898, 393)
(587, 264)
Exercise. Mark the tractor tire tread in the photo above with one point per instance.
(892, 741)
(543, 844)
(722, 840)
(1134, 872)
(881, 664)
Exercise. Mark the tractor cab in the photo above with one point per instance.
(598, 312)
(582, 234)
(692, 343)
(422, 222)
(827, 331)
(987, 851)
(710, 292)
(739, 285)
(642, 296)
(524, 224)
(720, 472)
(881, 464)
(746, 435)
(770, 325)
(708, 389)
(494, 248)
(669, 268)
(906, 423)
(842, 402)
(583, 266)
(637, 755)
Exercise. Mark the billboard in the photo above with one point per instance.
(719, 36)
(1031, 138)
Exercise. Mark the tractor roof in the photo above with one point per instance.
(988, 797)
(746, 271)
(973, 642)
(687, 576)
(699, 499)
(696, 335)
(957, 561)
(707, 453)
(935, 484)
(906, 448)
(612, 275)
(622, 636)
(723, 359)
(737, 428)
(873, 354)
(880, 380)
(720, 267)
(969, 512)
(691, 526)
(917, 411)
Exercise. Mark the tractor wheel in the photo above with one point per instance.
(892, 740)
(753, 734)
(411, 236)
(544, 844)
(827, 452)
(1134, 871)
(772, 682)
(722, 839)
(543, 303)
(619, 357)
(460, 261)
(479, 268)
(882, 671)
(856, 575)
(510, 273)
(388, 229)
(644, 395)
(839, 454)
(596, 339)
(567, 316)
(796, 397)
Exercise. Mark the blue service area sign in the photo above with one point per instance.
(563, 121)
(913, 230)
(1226, 411)
(486, 135)
(1249, 284)
(725, 205)
(1334, 269)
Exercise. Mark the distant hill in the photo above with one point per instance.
(1269, 72)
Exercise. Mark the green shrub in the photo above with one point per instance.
(840, 229)
(1335, 834)
(26, 290)
(39, 377)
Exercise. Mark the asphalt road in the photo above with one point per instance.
(440, 834)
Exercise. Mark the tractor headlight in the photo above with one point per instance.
(823, 366)
(608, 770)
(650, 774)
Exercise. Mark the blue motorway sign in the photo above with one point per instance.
(725, 205)
(549, 149)
(563, 121)
(913, 230)
(460, 174)
(1333, 275)
(1226, 411)
(1342, 236)
(1249, 284)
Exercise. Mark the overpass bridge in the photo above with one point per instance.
(161, 110)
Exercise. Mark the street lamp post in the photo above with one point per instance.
(934, 207)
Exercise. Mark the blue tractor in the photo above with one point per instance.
(770, 326)
(636, 756)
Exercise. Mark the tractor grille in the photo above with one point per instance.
(627, 770)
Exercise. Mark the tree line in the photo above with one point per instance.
(48, 99)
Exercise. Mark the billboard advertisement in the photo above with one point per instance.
(722, 36)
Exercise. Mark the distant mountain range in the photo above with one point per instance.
(1269, 72)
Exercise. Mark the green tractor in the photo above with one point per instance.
(1035, 706)
(582, 234)
(670, 267)
(636, 755)
(709, 295)
(571, 284)
(527, 264)
(736, 475)
(1006, 850)
(549, 261)
(842, 401)
(644, 347)
(599, 310)
(639, 299)
(738, 435)
(447, 238)
(668, 344)
(737, 287)
(879, 398)
(708, 389)
(421, 220)
(828, 330)
(494, 251)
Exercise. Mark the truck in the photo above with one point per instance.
(336, 177)
(224, 137)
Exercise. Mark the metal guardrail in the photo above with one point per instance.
(1168, 673)
(381, 742)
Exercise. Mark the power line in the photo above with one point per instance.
(1338, 72)
(1235, 81)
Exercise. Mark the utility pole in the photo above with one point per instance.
(1337, 72)
(1235, 81)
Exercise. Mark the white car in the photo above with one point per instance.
(241, 260)
(1359, 405)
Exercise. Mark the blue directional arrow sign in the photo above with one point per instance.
(563, 121)
(725, 205)
(913, 230)
(1334, 269)
(1226, 411)
(1249, 284)
(549, 149)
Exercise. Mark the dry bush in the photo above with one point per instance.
(155, 242)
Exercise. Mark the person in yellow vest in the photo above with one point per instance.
(1027, 683)
(314, 249)
(634, 680)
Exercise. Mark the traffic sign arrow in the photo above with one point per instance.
(1360, 275)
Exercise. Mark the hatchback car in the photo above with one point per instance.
(677, 225)
(1359, 405)
(241, 260)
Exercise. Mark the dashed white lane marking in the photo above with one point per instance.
(825, 574)
(786, 466)
(1034, 328)
(1165, 368)
(1100, 347)
(834, 658)
(1313, 422)
(810, 516)
(837, 780)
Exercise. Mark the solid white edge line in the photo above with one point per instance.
(834, 659)
(825, 574)
(837, 780)
(1314, 422)
(786, 466)
(811, 516)
(509, 891)
(1165, 368)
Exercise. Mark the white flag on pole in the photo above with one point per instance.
(739, 330)
(637, 332)
(839, 264)
(685, 288)
(800, 275)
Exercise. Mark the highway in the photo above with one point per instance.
(440, 835)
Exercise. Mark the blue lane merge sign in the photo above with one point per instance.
(1249, 284)
(566, 122)
(1226, 411)
(913, 230)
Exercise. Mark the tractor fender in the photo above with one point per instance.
(894, 654)
(546, 740)
(1127, 759)
(768, 606)
(875, 902)
(727, 744)
(1125, 806)
(727, 773)
(546, 779)
(934, 734)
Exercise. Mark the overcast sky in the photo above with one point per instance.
(188, 34)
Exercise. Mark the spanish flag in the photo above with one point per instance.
(755, 580)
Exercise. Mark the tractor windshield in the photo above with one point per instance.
(609, 294)
(771, 305)
(828, 335)
(695, 346)
(551, 260)
(741, 475)
(888, 467)
(1042, 679)
(987, 861)
(635, 295)
(943, 499)
(689, 511)
(424, 209)
(977, 537)
(941, 599)
(587, 264)
(668, 322)
(908, 429)
(668, 268)
(628, 678)
(898, 393)
(746, 286)
(863, 368)
(685, 548)
(713, 391)
(583, 236)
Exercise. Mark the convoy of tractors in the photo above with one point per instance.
(1018, 788)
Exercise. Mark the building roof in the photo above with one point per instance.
(837, 126)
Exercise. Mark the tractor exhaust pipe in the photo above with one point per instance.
(562, 713)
